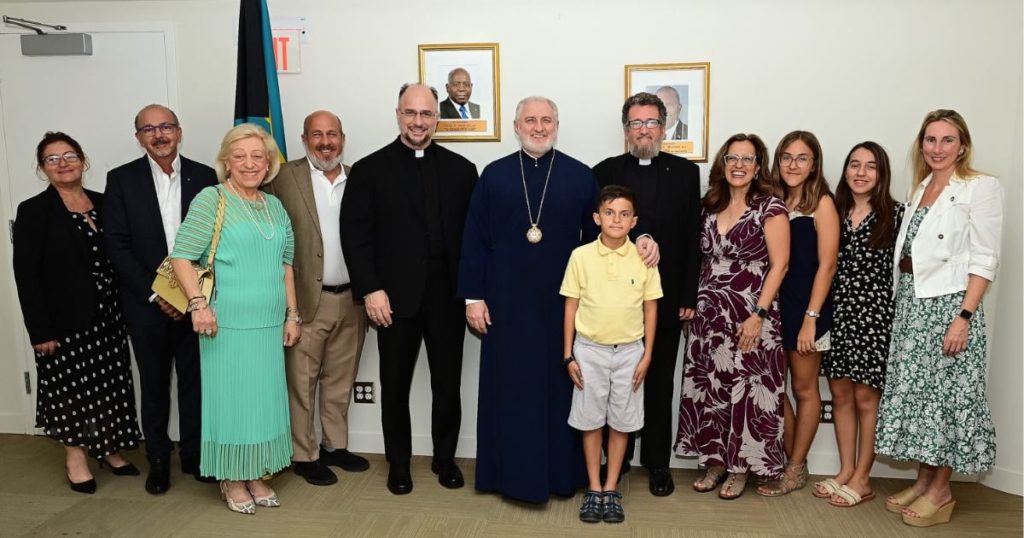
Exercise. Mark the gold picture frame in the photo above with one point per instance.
(475, 117)
(686, 131)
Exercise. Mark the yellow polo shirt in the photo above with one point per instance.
(612, 286)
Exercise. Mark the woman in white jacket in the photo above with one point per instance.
(934, 409)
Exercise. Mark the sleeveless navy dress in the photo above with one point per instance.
(795, 292)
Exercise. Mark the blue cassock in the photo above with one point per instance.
(525, 448)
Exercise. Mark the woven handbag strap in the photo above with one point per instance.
(217, 224)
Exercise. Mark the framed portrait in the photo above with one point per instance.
(684, 89)
(466, 76)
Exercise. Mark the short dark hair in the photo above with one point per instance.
(612, 192)
(644, 99)
(56, 136)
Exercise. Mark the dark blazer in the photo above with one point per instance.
(681, 132)
(294, 187)
(134, 232)
(676, 226)
(384, 226)
(451, 112)
(52, 268)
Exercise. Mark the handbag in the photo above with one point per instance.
(166, 285)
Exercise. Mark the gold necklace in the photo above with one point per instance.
(534, 235)
(252, 216)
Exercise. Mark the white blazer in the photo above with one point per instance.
(959, 236)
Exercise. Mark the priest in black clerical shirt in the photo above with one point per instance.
(668, 207)
(401, 234)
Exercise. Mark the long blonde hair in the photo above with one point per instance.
(963, 161)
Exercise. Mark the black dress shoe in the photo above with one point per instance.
(341, 457)
(190, 465)
(399, 479)
(661, 483)
(159, 479)
(89, 486)
(315, 472)
(125, 470)
(448, 474)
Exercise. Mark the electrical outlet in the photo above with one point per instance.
(364, 392)
(826, 412)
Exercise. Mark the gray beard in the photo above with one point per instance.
(322, 165)
(645, 152)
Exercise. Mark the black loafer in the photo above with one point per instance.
(315, 473)
(190, 465)
(158, 481)
(661, 483)
(344, 459)
(448, 474)
(399, 479)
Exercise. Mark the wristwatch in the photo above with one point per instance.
(568, 359)
(813, 314)
(966, 314)
(761, 311)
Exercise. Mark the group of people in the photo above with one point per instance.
(580, 282)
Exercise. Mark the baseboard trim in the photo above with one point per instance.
(1005, 480)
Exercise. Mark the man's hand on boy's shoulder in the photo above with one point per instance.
(648, 249)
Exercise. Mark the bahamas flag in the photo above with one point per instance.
(257, 98)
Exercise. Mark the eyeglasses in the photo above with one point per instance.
(425, 114)
(164, 128)
(800, 160)
(240, 158)
(69, 157)
(747, 160)
(650, 124)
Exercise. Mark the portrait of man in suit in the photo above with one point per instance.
(675, 123)
(460, 88)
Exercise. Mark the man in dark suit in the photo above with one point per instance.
(674, 127)
(401, 233)
(460, 88)
(146, 201)
(333, 322)
(668, 207)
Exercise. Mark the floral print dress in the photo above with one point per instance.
(730, 409)
(934, 408)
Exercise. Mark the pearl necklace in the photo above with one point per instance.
(252, 215)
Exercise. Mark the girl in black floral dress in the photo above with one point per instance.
(863, 302)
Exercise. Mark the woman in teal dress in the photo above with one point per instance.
(934, 409)
(246, 434)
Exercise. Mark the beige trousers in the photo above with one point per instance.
(327, 357)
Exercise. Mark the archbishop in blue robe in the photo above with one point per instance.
(525, 448)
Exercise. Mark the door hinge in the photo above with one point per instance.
(28, 384)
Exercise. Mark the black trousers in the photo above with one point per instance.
(159, 347)
(659, 409)
(440, 324)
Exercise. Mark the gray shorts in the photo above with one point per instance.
(607, 396)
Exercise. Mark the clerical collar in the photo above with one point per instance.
(417, 153)
(536, 160)
(644, 162)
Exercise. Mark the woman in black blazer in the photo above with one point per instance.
(68, 299)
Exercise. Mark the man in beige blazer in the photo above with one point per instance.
(333, 328)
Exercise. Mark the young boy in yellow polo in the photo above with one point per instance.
(611, 301)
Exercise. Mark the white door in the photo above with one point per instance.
(92, 98)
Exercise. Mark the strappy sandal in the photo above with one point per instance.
(826, 488)
(902, 500)
(714, 476)
(735, 484)
(850, 497)
(247, 507)
(794, 477)
(927, 513)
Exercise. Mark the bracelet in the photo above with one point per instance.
(197, 305)
(193, 298)
(296, 319)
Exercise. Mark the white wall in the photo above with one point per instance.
(847, 71)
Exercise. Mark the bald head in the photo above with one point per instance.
(322, 115)
(324, 142)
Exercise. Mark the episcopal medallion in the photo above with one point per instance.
(534, 234)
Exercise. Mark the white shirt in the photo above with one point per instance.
(168, 196)
(958, 237)
(328, 196)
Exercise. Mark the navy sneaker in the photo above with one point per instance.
(592, 510)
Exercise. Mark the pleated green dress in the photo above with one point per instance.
(245, 426)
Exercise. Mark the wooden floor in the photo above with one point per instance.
(35, 501)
